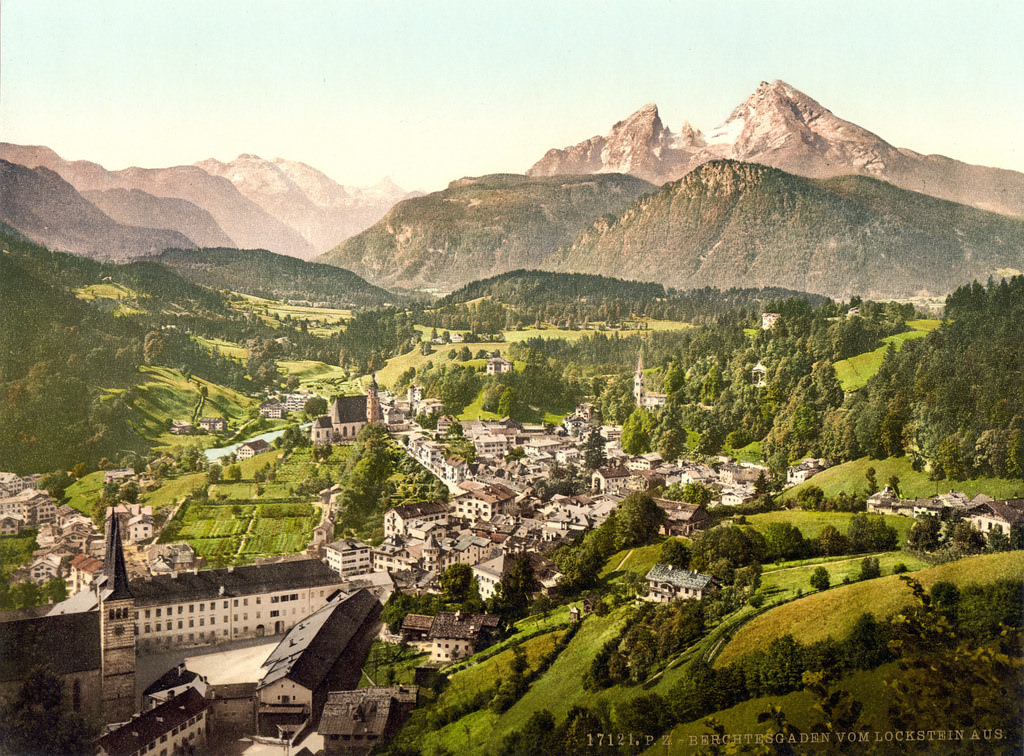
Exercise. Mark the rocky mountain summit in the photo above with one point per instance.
(781, 127)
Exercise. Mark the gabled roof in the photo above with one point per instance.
(233, 581)
(113, 563)
(419, 510)
(462, 626)
(348, 409)
(364, 712)
(664, 573)
(311, 648)
(149, 726)
(66, 643)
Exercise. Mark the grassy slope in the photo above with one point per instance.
(163, 394)
(853, 373)
(812, 523)
(864, 686)
(832, 613)
(850, 477)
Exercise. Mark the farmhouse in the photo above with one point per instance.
(683, 519)
(456, 636)
(213, 424)
(498, 365)
(250, 449)
(666, 583)
(998, 515)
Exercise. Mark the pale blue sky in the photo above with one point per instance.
(430, 91)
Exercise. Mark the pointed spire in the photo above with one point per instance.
(113, 562)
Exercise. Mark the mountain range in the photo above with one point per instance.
(781, 127)
(481, 226)
(283, 206)
(740, 224)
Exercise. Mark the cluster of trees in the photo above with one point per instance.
(945, 539)
(634, 522)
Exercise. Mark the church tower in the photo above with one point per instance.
(639, 394)
(117, 630)
(373, 414)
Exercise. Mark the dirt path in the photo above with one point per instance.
(628, 555)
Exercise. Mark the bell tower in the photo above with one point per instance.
(639, 393)
(373, 413)
(117, 630)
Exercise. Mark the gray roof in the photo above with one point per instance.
(147, 727)
(364, 712)
(66, 643)
(348, 409)
(311, 648)
(664, 573)
(233, 581)
(464, 626)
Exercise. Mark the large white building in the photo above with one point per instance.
(348, 556)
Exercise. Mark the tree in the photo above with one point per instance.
(872, 480)
(213, 474)
(784, 541)
(672, 443)
(637, 520)
(456, 583)
(697, 493)
(819, 579)
(924, 533)
(38, 719)
(869, 568)
(594, 455)
(674, 552)
(505, 403)
(894, 484)
(635, 436)
(966, 539)
(513, 591)
(80, 470)
(315, 406)
(234, 472)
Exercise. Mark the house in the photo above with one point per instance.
(348, 557)
(759, 375)
(11, 524)
(809, 467)
(498, 365)
(323, 652)
(213, 424)
(297, 402)
(769, 319)
(165, 558)
(398, 519)
(483, 501)
(610, 479)
(121, 474)
(884, 502)
(250, 449)
(177, 726)
(444, 423)
(1005, 515)
(490, 445)
(182, 428)
(682, 519)
(488, 574)
(273, 411)
(84, 572)
(416, 627)
(666, 583)
(354, 722)
(456, 636)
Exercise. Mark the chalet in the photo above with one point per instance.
(445, 422)
(644, 462)
(738, 475)
(348, 557)
(119, 475)
(250, 449)
(213, 424)
(759, 375)
(416, 627)
(769, 319)
(323, 652)
(354, 722)
(682, 519)
(490, 445)
(883, 502)
(498, 365)
(177, 726)
(456, 636)
(666, 583)
(182, 428)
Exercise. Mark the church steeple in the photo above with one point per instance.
(639, 392)
(113, 562)
(373, 413)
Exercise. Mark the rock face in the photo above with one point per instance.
(729, 224)
(305, 199)
(780, 126)
(49, 211)
(479, 227)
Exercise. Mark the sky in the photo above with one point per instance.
(428, 92)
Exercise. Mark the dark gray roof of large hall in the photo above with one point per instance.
(227, 582)
(348, 409)
(66, 643)
(312, 647)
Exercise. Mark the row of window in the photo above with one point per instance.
(147, 613)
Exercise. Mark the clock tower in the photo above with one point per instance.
(117, 630)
